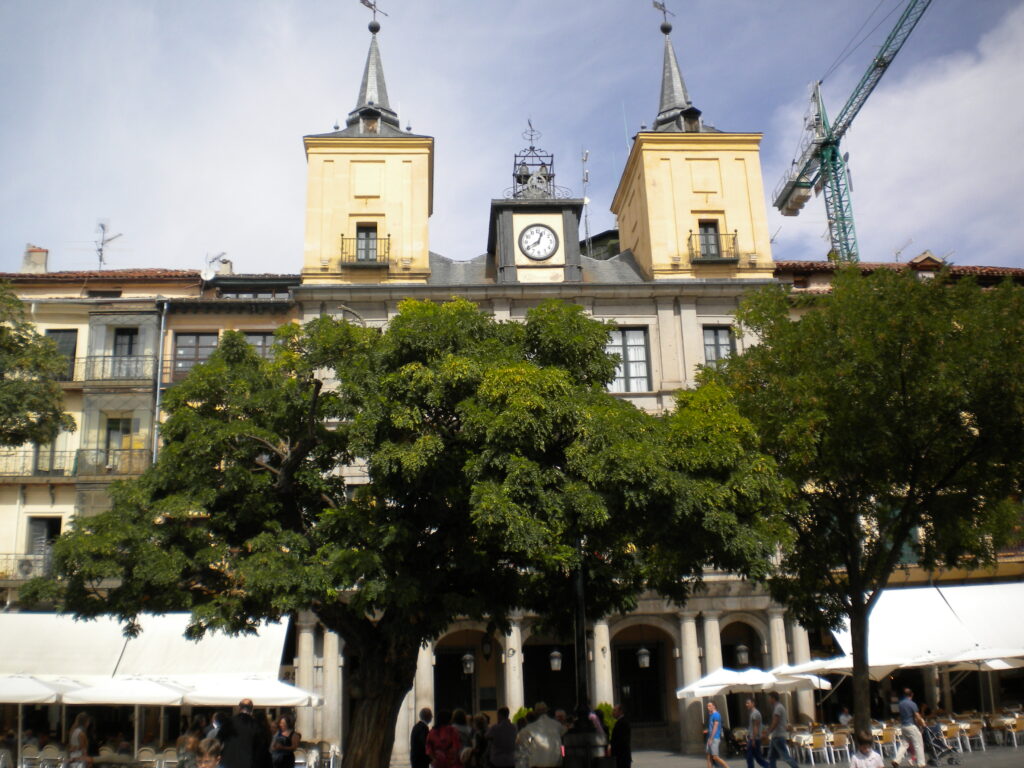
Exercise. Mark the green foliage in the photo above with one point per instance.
(895, 407)
(496, 465)
(894, 404)
(604, 711)
(31, 399)
(520, 713)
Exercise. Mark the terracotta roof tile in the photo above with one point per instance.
(107, 275)
(872, 266)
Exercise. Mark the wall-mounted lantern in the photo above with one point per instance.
(468, 663)
(555, 658)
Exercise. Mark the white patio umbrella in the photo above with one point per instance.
(25, 689)
(265, 692)
(124, 691)
(843, 665)
(727, 680)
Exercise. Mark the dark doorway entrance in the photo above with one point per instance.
(641, 688)
(541, 683)
(453, 688)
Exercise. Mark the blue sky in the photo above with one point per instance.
(180, 121)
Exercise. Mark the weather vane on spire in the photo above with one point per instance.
(531, 134)
(665, 12)
(372, 5)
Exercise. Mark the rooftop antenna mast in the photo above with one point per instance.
(586, 205)
(101, 244)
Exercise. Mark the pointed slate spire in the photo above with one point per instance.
(676, 114)
(372, 105)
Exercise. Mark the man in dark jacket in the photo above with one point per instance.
(246, 741)
(418, 740)
(621, 748)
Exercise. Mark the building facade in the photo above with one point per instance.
(692, 240)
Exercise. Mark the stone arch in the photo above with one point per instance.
(668, 627)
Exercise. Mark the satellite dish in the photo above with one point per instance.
(207, 274)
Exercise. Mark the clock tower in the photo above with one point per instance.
(534, 230)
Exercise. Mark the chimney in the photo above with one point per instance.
(34, 262)
(225, 267)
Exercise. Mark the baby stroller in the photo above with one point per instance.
(936, 748)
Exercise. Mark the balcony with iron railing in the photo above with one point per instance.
(87, 462)
(713, 247)
(16, 566)
(365, 252)
(110, 368)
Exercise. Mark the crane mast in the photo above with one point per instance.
(820, 163)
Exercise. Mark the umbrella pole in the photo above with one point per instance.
(163, 729)
(20, 724)
(136, 729)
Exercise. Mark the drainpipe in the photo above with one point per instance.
(158, 378)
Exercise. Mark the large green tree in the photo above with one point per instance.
(896, 406)
(31, 400)
(497, 467)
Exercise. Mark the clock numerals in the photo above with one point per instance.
(538, 242)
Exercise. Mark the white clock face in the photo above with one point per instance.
(538, 242)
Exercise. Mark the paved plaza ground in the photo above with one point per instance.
(993, 757)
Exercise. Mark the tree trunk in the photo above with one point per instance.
(859, 612)
(383, 678)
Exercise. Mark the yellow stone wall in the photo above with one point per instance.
(382, 181)
(672, 181)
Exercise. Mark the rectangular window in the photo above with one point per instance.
(67, 344)
(125, 341)
(633, 373)
(366, 242)
(719, 343)
(710, 242)
(263, 342)
(126, 362)
(190, 349)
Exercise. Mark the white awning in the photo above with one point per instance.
(942, 622)
(46, 645)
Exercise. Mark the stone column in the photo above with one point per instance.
(713, 655)
(514, 668)
(801, 653)
(779, 652)
(670, 350)
(604, 688)
(305, 622)
(403, 728)
(690, 716)
(693, 338)
(424, 685)
(331, 731)
(930, 675)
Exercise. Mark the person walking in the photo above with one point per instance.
(911, 724)
(754, 726)
(714, 732)
(778, 733)
(622, 737)
(418, 740)
(443, 743)
(544, 739)
(246, 743)
(78, 742)
(284, 744)
(501, 741)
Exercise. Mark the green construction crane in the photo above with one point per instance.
(820, 164)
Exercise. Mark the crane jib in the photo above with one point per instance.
(820, 160)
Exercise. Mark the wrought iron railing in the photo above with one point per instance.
(365, 252)
(120, 461)
(16, 566)
(110, 368)
(713, 246)
(41, 463)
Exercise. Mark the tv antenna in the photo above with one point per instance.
(101, 244)
(586, 204)
(899, 251)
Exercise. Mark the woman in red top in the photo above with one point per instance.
(443, 743)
